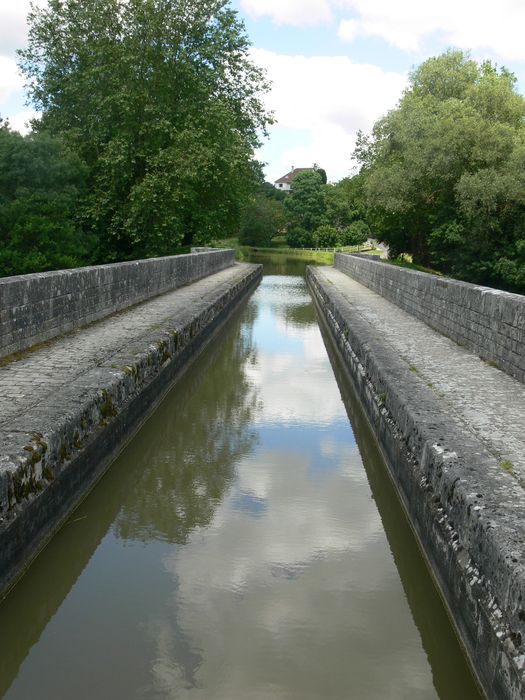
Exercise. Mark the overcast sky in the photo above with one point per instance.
(336, 65)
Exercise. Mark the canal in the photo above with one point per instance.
(246, 545)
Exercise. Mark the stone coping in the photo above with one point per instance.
(56, 444)
(37, 307)
(489, 322)
(468, 513)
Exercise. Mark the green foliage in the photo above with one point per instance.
(298, 237)
(444, 171)
(162, 103)
(305, 205)
(327, 236)
(263, 218)
(356, 233)
(345, 201)
(272, 192)
(322, 173)
(326, 215)
(41, 182)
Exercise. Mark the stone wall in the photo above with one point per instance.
(467, 513)
(35, 308)
(52, 456)
(487, 321)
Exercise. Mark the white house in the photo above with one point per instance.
(284, 183)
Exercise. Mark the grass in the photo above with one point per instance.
(405, 260)
(507, 465)
(317, 256)
(280, 247)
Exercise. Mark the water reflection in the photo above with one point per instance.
(450, 674)
(155, 491)
(292, 591)
(235, 549)
(189, 452)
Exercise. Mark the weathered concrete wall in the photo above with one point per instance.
(52, 457)
(467, 513)
(37, 307)
(487, 321)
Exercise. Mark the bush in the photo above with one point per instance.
(357, 233)
(327, 236)
(262, 219)
(298, 237)
(41, 182)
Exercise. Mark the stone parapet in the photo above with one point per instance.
(486, 321)
(60, 441)
(467, 512)
(37, 307)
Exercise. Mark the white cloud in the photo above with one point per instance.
(13, 27)
(330, 147)
(13, 36)
(295, 12)
(469, 24)
(11, 81)
(348, 29)
(20, 121)
(332, 98)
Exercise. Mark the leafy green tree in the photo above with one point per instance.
(306, 205)
(322, 173)
(41, 182)
(297, 237)
(443, 174)
(327, 236)
(162, 103)
(345, 201)
(263, 218)
(357, 233)
(272, 192)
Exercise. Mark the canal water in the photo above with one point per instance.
(246, 545)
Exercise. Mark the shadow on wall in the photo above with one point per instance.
(449, 666)
(139, 494)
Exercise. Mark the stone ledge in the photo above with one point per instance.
(468, 514)
(37, 307)
(52, 456)
(487, 321)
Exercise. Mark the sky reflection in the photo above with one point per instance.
(234, 551)
(294, 572)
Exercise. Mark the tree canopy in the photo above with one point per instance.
(160, 101)
(305, 205)
(263, 216)
(325, 215)
(444, 173)
(41, 184)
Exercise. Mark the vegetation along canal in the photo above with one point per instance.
(247, 544)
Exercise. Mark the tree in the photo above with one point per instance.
(272, 192)
(162, 103)
(345, 202)
(263, 218)
(41, 182)
(298, 237)
(357, 233)
(439, 170)
(305, 205)
(322, 173)
(327, 236)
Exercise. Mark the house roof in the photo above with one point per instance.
(287, 179)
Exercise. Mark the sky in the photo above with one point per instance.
(336, 66)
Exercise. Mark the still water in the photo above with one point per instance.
(246, 545)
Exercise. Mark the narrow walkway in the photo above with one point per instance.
(487, 401)
(35, 378)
